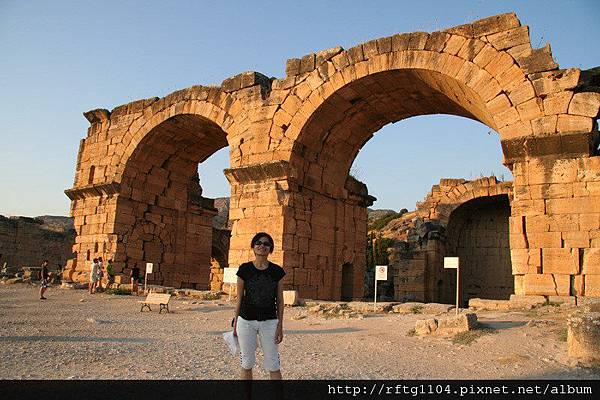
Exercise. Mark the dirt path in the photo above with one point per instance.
(74, 335)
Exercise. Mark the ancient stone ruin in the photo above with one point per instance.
(292, 140)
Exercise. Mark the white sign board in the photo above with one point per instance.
(451, 262)
(149, 268)
(381, 272)
(230, 276)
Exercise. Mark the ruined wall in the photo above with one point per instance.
(28, 241)
(468, 219)
(555, 227)
(478, 234)
(292, 142)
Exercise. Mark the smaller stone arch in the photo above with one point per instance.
(423, 238)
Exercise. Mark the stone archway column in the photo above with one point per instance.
(555, 215)
(314, 234)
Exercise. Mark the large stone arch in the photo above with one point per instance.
(290, 141)
(137, 198)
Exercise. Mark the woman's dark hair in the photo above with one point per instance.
(261, 235)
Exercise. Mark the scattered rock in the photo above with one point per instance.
(408, 308)
(426, 326)
(447, 326)
(583, 337)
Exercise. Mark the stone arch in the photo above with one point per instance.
(478, 233)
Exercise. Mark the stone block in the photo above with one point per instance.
(456, 324)
(592, 285)
(526, 301)
(544, 239)
(591, 261)
(484, 304)
(573, 124)
(436, 308)
(546, 83)
(426, 326)
(537, 60)
(560, 261)
(583, 337)
(557, 103)
(585, 104)
(509, 38)
(546, 284)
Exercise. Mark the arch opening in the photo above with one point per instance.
(161, 215)
(478, 233)
(327, 146)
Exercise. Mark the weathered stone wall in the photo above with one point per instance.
(555, 227)
(29, 241)
(478, 234)
(292, 142)
(468, 219)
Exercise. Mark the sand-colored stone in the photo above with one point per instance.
(136, 198)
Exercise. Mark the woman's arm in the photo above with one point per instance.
(280, 307)
(238, 304)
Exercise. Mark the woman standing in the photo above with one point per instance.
(259, 308)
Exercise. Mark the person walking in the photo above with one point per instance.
(259, 308)
(45, 279)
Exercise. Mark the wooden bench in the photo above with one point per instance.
(162, 299)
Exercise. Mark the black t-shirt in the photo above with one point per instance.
(259, 302)
(135, 273)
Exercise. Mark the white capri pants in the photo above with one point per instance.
(246, 333)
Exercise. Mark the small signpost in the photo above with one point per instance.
(452, 263)
(230, 277)
(380, 275)
(148, 271)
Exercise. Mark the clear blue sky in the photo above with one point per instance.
(59, 59)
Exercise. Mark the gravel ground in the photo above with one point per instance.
(75, 335)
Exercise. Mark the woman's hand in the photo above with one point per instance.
(279, 333)
(235, 326)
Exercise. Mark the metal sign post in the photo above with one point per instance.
(453, 263)
(148, 271)
(380, 275)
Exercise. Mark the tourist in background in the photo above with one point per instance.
(93, 276)
(135, 278)
(100, 274)
(259, 308)
(45, 279)
(110, 273)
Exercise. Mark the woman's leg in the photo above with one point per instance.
(266, 331)
(246, 333)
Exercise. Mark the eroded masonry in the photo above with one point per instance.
(292, 140)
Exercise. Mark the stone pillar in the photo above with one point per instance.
(555, 226)
(314, 234)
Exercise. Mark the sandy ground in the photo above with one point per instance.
(75, 335)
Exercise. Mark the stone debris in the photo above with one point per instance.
(485, 304)
(583, 337)
(447, 326)
(333, 310)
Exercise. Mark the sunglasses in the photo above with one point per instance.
(266, 244)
